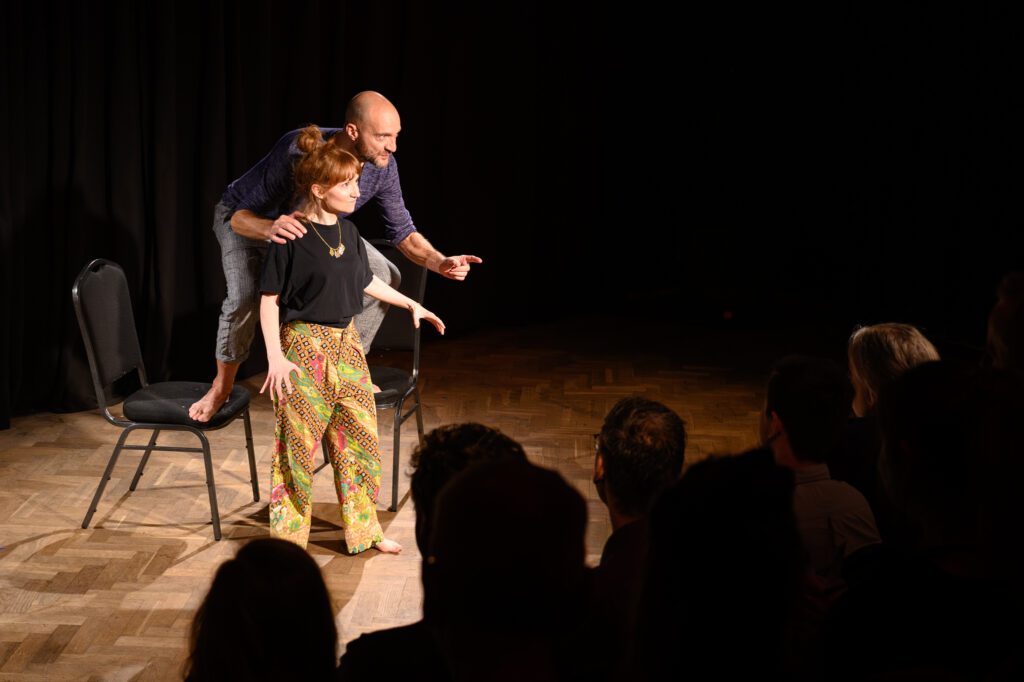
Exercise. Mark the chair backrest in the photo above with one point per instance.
(104, 310)
(396, 331)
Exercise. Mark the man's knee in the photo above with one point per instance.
(235, 333)
(388, 272)
(241, 301)
(396, 275)
(241, 274)
(236, 312)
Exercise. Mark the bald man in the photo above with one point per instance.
(256, 209)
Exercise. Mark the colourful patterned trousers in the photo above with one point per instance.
(333, 401)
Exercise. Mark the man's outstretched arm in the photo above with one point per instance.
(416, 248)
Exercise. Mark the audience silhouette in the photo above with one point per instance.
(267, 616)
(445, 452)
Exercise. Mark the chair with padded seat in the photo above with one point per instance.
(104, 310)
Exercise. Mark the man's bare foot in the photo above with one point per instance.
(203, 409)
(388, 546)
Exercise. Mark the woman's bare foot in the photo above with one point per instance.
(376, 388)
(388, 546)
(203, 409)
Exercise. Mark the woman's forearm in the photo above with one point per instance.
(270, 321)
(382, 292)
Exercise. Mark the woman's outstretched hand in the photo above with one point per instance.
(279, 373)
(421, 313)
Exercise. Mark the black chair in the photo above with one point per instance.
(398, 386)
(104, 309)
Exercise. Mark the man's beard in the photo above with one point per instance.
(365, 156)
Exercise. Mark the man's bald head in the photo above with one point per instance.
(366, 106)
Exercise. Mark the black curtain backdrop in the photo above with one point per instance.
(842, 164)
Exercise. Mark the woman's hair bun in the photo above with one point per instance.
(309, 139)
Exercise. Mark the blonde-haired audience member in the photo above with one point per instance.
(878, 354)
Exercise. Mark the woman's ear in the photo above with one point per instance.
(317, 190)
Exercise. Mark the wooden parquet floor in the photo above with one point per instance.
(115, 601)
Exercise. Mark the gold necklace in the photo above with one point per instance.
(335, 252)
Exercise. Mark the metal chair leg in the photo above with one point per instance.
(252, 457)
(105, 478)
(397, 457)
(210, 486)
(419, 414)
(327, 458)
(145, 458)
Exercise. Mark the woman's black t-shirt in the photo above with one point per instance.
(313, 285)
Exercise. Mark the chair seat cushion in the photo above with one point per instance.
(168, 402)
(392, 382)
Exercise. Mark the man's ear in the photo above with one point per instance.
(352, 130)
(598, 468)
(775, 425)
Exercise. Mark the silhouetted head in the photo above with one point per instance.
(807, 402)
(639, 453)
(723, 569)
(445, 452)
(506, 552)
(951, 455)
(271, 592)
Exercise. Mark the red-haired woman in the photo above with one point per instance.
(318, 377)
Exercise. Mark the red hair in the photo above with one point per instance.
(323, 163)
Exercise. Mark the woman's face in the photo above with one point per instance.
(341, 198)
(861, 400)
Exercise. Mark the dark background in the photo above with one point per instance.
(813, 166)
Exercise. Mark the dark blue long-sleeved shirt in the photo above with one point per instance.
(268, 188)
